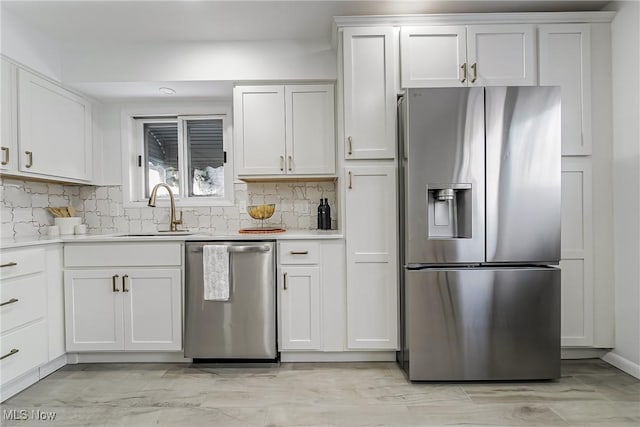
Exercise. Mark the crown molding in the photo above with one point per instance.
(474, 18)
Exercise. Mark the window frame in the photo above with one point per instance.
(133, 187)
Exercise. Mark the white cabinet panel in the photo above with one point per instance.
(300, 308)
(152, 310)
(433, 56)
(54, 129)
(565, 61)
(9, 117)
(310, 129)
(24, 349)
(577, 264)
(369, 93)
(372, 288)
(501, 55)
(284, 130)
(259, 129)
(93, 311)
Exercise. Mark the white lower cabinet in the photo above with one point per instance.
(300, 308)
(123, 296)
(372, 273)
(311, 293)
(123, 310)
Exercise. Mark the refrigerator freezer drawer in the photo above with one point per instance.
(483, 324)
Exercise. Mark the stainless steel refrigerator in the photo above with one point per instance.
(480, 230)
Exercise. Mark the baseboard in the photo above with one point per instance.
(583, 353)
(344, 356)
(622, 363)
(132, 357)
(33, 376)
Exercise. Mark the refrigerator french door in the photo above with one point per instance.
(480, 231)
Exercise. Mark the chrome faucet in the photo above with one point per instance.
(173, 222)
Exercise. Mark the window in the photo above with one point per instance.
(187, 153)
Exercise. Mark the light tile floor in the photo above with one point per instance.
(590, 392)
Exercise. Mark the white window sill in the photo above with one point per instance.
(182, 203)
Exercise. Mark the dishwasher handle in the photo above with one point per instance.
(238, 249)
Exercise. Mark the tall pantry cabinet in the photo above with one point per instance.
(369, 183)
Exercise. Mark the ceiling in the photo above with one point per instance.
(92, 24)
(92, 21)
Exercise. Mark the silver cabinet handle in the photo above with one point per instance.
(290, 167)
(474, 67)
(114, 283)
(284, 282)
(350, 181)
(299, 252)
(29, 159)
(124, 286)
(11, 301)
(282, 163)
(232, 249)
(350, 142)
(9, 264)
(11, 353)
(464, 72)
(5, 151)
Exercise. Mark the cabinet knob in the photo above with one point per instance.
(290, 164)
(350, 181)
(282, 163)
(11, 353)
(474, 67)
(350, 144)
(5, 152)
(284, 281)
(114, 283)
(29, 159)
(124, 285)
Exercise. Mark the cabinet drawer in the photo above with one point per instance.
(31, 345)
(299, 253)
(122, 254)
(21, 262)
(24, 300)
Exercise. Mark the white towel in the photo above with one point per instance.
(215, 263)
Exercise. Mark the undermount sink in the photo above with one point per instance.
(157, 234)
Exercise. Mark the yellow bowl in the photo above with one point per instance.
(261, 211)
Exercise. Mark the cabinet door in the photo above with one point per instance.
(300, 308)
(152, 309)
(501, 55)
(93, 310)
(259, 129)
(310, 130)
(372, 276)
(577, 308)
(9, 117)
(369, 93)
(433, 56)
(565, 61)
(55, 128)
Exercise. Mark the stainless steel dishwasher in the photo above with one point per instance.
(244, 327)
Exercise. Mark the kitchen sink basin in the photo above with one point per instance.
(157, 234)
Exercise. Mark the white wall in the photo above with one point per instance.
(28, 46)
(184, 61)
(625, 35)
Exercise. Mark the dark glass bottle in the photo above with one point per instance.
(327, 215)
(321, 215)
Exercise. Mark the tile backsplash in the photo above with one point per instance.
(24, 208)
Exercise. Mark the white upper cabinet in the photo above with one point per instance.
(284, 130)
(310, 130)
(259, 128)
(54, 130)
(369, 55)
(433, 56)
(475, 55)
(8, 111)
(565, 61)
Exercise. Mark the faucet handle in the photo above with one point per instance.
(178, 221)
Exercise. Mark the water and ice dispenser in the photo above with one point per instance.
(449, 211)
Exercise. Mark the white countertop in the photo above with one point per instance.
(124, 237)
